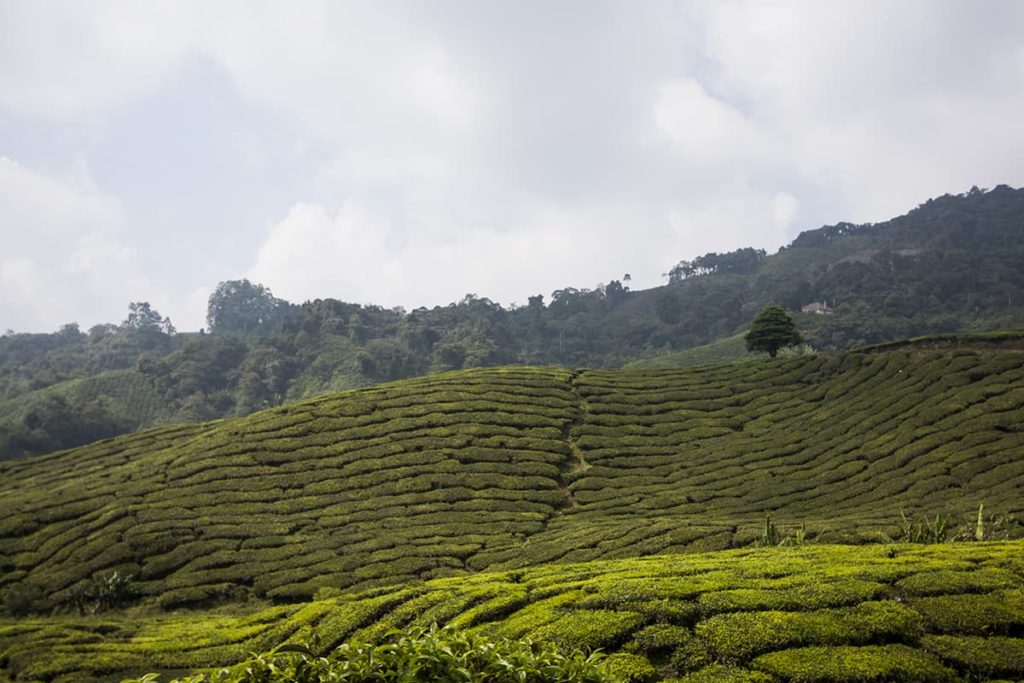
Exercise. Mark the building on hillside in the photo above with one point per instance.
(820, 307)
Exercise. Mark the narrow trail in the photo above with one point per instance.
(577, 462)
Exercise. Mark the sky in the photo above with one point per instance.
(408, 153)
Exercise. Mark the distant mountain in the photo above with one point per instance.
(955, 263)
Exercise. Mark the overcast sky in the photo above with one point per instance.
(409, 153)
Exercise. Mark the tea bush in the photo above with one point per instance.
(666, 612)
(505, 468)
(855, 665)
(416, 654)
(993, 657)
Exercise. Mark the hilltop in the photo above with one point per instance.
(953, 264)
(461, 472)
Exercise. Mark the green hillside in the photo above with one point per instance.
(80, 411)
(495, 469)
(727, 350)
(804, 614)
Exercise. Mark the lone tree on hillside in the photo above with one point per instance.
(771, 330)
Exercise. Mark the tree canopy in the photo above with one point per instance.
(243, 307)
(952, 264)
(142, 316)
(772, 330)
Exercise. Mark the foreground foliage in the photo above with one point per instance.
(411, 655)
(843, 614)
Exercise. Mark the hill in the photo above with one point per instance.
(727, 350)
(492, 469)
(803, 614)
(953, 264)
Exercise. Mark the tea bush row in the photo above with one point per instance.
(812, 613)
(531, 465)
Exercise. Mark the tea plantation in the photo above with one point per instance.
(363, 496)
(813, 613)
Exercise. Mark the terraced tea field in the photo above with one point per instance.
(498, 469)
(813, 613)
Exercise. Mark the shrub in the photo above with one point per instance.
(741, 635)
(193, 596)
(992, 613)
(855, 665)
(23, 598)
(985, 657)
(770, 536)
(629, 668)
(660, 639)
(589, 628)
(834, 593)
(720, 673)
(434, 654)
(944, 581)
(103, 593)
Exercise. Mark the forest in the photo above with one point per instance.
(953, 264)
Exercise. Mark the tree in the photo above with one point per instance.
(772, 330)
(142, 316)
(614, 291)
(243, 307)
(680, 272)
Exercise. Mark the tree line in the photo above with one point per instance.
(954, 263)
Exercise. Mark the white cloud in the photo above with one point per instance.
(22, 286)
(564, 162)
(732, 219)
(46, 210)
(67, 59)
(514, 148)
(706, 130)
(785, 208)
(353, 255)
(68, 261)
(98, 252)
(878, 106)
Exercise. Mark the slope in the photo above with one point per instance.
(726, 350)
(813, 613)
(455, 473)
(78, 411)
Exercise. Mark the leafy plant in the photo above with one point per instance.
(103, 593)
(416, 654)
(770, 536)
(925, 529)
(798, 538)
(988, 527)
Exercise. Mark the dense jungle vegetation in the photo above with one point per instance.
(955, 263)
